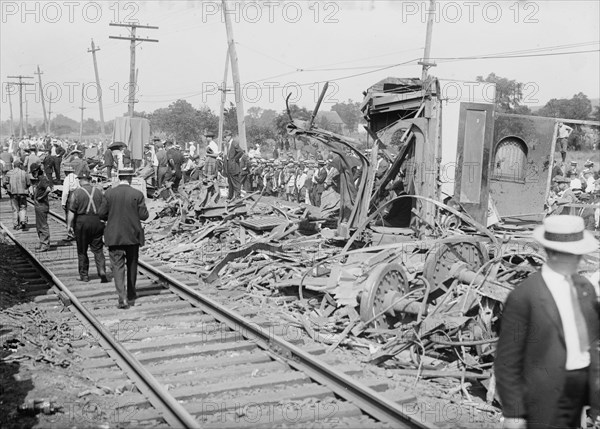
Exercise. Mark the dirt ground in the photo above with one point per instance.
(40, 367)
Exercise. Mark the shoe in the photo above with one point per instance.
(24, 227)
(123, 305)
(44, 249)
(103, 279)
(84, 278)
(16, 227)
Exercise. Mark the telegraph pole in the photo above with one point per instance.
(49, 113)
(26, 117)
(93, 51)
(236, 77)
(223, 99)
(12, 125)
(21, 84)
(39, 73)
(81, 124)
(132, 40)
(427, 54)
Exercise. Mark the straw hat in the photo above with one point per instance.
(567, 234)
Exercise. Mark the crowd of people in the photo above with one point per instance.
(572, 185)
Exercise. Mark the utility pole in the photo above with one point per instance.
(12, 125)
(427, 54)
(26, 117)
(49, 113)
(132, 40)
(223, 99)
(21, 84)
(93, 51)
(39, 73)
(81, 124)
(236, 78)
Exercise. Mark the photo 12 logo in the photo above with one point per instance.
(271, 92)
(54, 12)
(454, 12)
(290, 12)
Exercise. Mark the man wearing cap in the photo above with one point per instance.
(41, 189)
(561, 196)
(57, 154)
(234, 169)
(123, 209)
(84, 220)
(573, 169)
(319, 183)
(70, 183)
(80, 167)
(16, 182)
(6, 162)
(547, 361)
(163, 165)
(175, 160)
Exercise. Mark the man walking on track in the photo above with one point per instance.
(42, 186)
(83, 212)
(16, 182)
(547, 362)
(123, 209)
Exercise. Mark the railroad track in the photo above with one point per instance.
(197, 363)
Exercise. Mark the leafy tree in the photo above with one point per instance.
(350, 114)
(90, 126)
(578, 107)
(62, 125)
(509, 94)
(283, 119)
(596, 114)
(180, 121)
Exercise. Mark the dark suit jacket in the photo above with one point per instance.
(123, 208)
(531, 354)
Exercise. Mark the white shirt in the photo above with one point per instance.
(564, 131)
(70, 183)
(214, 147)
(561, 292)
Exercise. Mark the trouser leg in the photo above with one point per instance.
(230, 189)
(97, 247)
(14, 205)
(82, 246)
(41, 225)
(57, 162)
(22, 209)
(236, 181)
(132, 253)
(117, 260)
(572, 400)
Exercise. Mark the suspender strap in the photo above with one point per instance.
(91, 201)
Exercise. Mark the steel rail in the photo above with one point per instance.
(365, 398)
(173, 412)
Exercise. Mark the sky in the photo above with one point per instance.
(286, 47)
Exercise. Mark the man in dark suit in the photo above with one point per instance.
(547, 363)
(123, 209)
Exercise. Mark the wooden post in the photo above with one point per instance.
(236, 78)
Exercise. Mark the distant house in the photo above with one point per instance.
(331, 121)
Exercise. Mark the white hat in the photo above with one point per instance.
(565, 234)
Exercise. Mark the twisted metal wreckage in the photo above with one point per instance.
(425, 298)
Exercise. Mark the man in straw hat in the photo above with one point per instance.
(123, 209)
(83, 218)
(547, 363)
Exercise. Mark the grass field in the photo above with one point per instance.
(581, 157)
